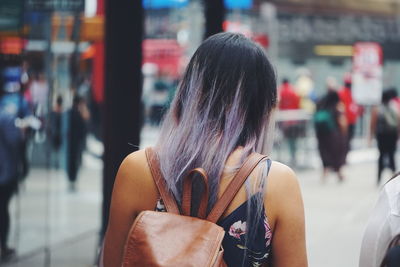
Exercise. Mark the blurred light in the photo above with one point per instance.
(164, 3)
(183, 37)
(90, 8)
(233, 4)
(12, 78)
(11, 45)
(234, 26)
(89, 52)
(334, 50)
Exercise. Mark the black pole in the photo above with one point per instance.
(214, 11)
(123, 88)
(74, 60)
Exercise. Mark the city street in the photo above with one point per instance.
(62, 226)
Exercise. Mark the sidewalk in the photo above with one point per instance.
(50, 223)
(337, 213)
(67, 223)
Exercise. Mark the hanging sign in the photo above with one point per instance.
(367, 73)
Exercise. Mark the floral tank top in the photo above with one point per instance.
(246, 242)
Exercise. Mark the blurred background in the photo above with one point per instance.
(90, 81)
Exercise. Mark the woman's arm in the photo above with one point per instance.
(133, 192)
(288, 242)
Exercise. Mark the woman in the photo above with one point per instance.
(216, 120)
(331, 131)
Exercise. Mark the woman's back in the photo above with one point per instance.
(135, 191)
(218, 117)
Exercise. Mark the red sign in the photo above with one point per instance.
(11, 45)
(165, 53)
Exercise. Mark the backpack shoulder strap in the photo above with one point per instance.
(166, 196)
(248, 166)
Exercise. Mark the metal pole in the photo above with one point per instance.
(49, 76)
(123, 89)
(214, 12)
(74, 63)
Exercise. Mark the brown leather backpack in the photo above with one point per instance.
(174, 238)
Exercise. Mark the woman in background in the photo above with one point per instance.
(331, 129)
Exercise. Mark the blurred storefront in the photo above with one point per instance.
(308, 40)
(321, 36)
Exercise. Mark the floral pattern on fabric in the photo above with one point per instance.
(160, 207)
(256, 258)
(268, 232)
(247, 242)
(237, 229)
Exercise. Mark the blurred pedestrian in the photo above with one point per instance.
(380, 244)
(289, 100)
(55, 129)
(351, 108)
(385, 123)
(217, 119)
(331, 130)
(395, 100)
(159, 99)
(38, 92)
(78, 117)
(13, 108)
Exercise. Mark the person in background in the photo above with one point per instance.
(159, 99)
(39, 91)
(351, 108)
(55, 129)
(217, 119)
(78, 117)
(395, 100)
(331, 130)
(305, 88)
(385, 124)
(380, 242)
(13, 108)
(289, 100)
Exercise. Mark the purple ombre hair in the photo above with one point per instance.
(224, 101)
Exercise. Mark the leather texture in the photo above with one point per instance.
(170, 239)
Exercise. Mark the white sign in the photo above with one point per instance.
(367, 73)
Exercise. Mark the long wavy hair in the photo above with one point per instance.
(223, 102)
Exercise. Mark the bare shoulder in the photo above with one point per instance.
(134, 191)
(281, 175)
(282, 191)
(134, 163)
(134, 181)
